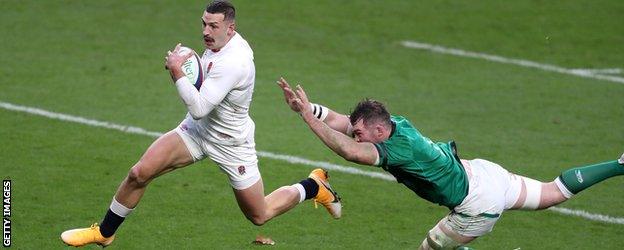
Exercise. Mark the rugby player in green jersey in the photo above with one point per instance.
(476, 191)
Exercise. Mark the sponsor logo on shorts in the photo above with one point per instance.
(241, 170)
(579, 176)
(184, 127)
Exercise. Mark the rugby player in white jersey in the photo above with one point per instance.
(217, 126)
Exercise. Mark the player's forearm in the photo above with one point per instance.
(338, 122)
(336, 141)
(333, 119)
(197, 105)
(176, 74)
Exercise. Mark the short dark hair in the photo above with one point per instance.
(370, 111)
(223, 7)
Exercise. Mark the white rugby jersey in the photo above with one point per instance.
(220, 109)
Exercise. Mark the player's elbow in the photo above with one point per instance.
(197, 113)
(358, 157)
(197, 116)
(355, 159)
(350, 155)
(200, 109)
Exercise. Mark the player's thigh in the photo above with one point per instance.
(165, 154)
(251, 199)
(238, 162)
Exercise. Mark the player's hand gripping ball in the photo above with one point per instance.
(192, 67)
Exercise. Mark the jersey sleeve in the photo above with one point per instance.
(223, 77)
(397, 151)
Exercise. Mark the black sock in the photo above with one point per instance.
(110, 224)
(310, 187)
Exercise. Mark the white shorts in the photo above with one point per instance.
(491, 190)
(239, 162)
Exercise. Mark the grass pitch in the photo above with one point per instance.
(104, 60)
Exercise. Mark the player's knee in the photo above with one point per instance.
(138, 176)
(437, 239)
(424, 245)
(257, 220)
(553, 195)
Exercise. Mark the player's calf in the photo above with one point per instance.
(575, 180)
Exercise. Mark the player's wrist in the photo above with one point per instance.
(176, 74)
(319, 111)
(307, 115)
(178, 81)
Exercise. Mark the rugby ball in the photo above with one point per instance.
(192, 67)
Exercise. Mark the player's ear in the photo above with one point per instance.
(379, 130)
(231, 28)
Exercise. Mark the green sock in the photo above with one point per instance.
(580, 178)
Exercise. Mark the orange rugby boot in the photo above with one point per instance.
(326, 196)
(83, 236)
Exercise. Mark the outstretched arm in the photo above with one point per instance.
(359, 152)
(334, 120)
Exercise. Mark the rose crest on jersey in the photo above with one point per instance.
(209, 67)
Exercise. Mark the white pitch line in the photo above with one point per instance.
(77, 119)
(141, 131)
(585, 214)
(275, 156)
(326, 165)
(613, 71)
(519, 62)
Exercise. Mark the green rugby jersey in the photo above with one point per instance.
(430, 169)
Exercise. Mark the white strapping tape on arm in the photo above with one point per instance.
(533, 194)
(319, 111)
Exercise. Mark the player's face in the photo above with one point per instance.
(217, 32)
(372, 133)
